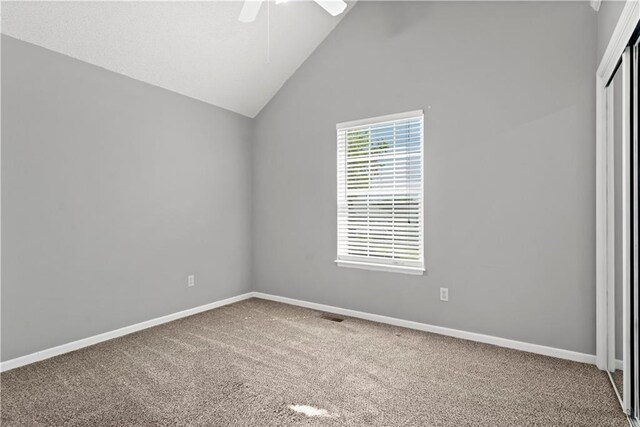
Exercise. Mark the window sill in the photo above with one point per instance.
(381, 267)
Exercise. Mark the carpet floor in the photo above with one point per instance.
(262, 363)
(618, 380)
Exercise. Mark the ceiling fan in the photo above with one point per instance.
(251, 8)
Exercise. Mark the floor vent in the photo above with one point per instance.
(332, 318)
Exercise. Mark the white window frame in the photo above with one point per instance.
(415, 267)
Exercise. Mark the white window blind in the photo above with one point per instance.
(380, 193)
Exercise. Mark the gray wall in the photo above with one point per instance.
(509, 182)
(608, 16)
(113, 191)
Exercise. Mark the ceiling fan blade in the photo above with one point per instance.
(250, 10)
(334, 7)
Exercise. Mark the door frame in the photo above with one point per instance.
(605, 261)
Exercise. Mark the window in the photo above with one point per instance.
(380, 193)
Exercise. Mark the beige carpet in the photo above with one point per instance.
(618, 380)
(247, 364)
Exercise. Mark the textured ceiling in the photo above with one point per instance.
(198, 49)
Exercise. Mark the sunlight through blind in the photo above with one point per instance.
(380, 192)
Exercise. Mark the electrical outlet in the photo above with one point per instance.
(444, 294)
(191, 280)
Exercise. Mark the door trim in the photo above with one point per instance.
(627, 23)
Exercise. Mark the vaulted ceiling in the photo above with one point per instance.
(198, 49)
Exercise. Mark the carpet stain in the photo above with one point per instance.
(310, 411)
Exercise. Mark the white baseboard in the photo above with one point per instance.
(472, 336)
(488, 339)
(85, 342)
